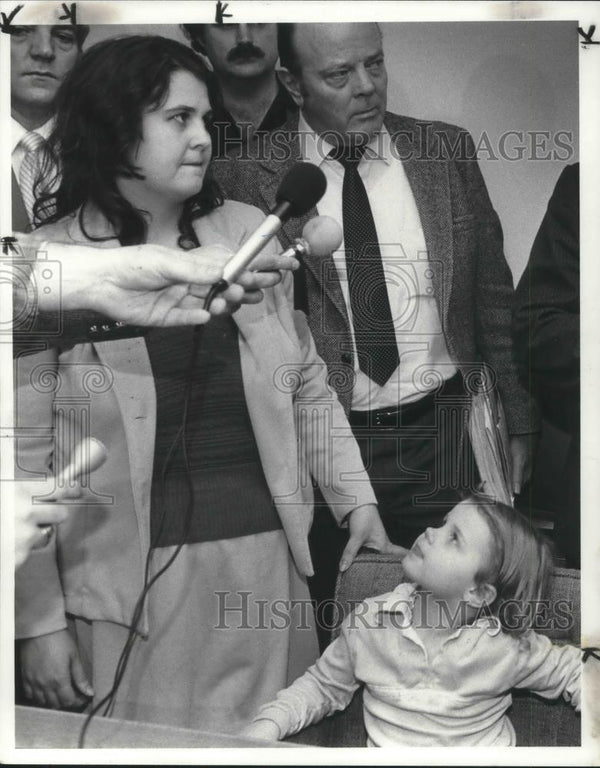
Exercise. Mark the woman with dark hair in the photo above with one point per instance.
(98, 122)
(210, 448)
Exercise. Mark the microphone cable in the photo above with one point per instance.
(179, 441)
(300, 189)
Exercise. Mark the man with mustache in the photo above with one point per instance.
(418, 296)
(246, 95)
(40, 58)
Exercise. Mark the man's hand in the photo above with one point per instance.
(144, 284)
(366, 530)
(264, 272)
(52, 672)
(29, 516)
(521, 460)
(152, 285)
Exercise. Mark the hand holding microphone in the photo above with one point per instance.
(301, 189)
(320, 236)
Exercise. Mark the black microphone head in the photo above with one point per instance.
(301, 188)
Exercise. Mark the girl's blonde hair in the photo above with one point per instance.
(520, 566)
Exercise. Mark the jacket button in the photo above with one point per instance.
(347, 358)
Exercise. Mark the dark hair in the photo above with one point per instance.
(194, 33)
(285, 45)
(98, 122)
(520, 566)
(81, 32)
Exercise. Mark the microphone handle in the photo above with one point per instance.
(254, 244)
(85, 458)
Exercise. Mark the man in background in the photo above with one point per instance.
(418, 297)
(40, 58)
(245, 93)
(547, 345)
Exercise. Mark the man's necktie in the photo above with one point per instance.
(32, 142)
(376, 344)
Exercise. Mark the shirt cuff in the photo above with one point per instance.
(282, 733)
(279, 715)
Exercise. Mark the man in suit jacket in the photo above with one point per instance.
(449, 287)
(546, 335)
(40, 58)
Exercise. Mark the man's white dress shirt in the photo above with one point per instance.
(407, 269)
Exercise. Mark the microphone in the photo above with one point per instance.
(320, 237)
(301, 188)
(86, 457)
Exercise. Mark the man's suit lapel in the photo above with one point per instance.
(428, 179)
(322, 268)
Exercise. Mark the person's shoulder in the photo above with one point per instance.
(235, 220)
(243, 213)
(290, 126)
(514, 644)
(432, 139)
(419, 125)
(278, 139)
(567, 185)
(388, 609)
(56, 232)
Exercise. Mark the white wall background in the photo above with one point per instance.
(488, 77)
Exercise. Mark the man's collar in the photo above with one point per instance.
(316, 148)
(277, 113)
(18, 131)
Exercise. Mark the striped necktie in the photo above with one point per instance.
(376, 344)
(32, 143)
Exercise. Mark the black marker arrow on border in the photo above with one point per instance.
(587, 36)
(69, 13)
(6, 20)
(220, 12)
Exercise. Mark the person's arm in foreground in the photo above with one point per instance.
(139, 285)
(550, 670)
(326, 687)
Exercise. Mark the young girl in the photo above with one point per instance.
(228, 515)
(439, 655)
